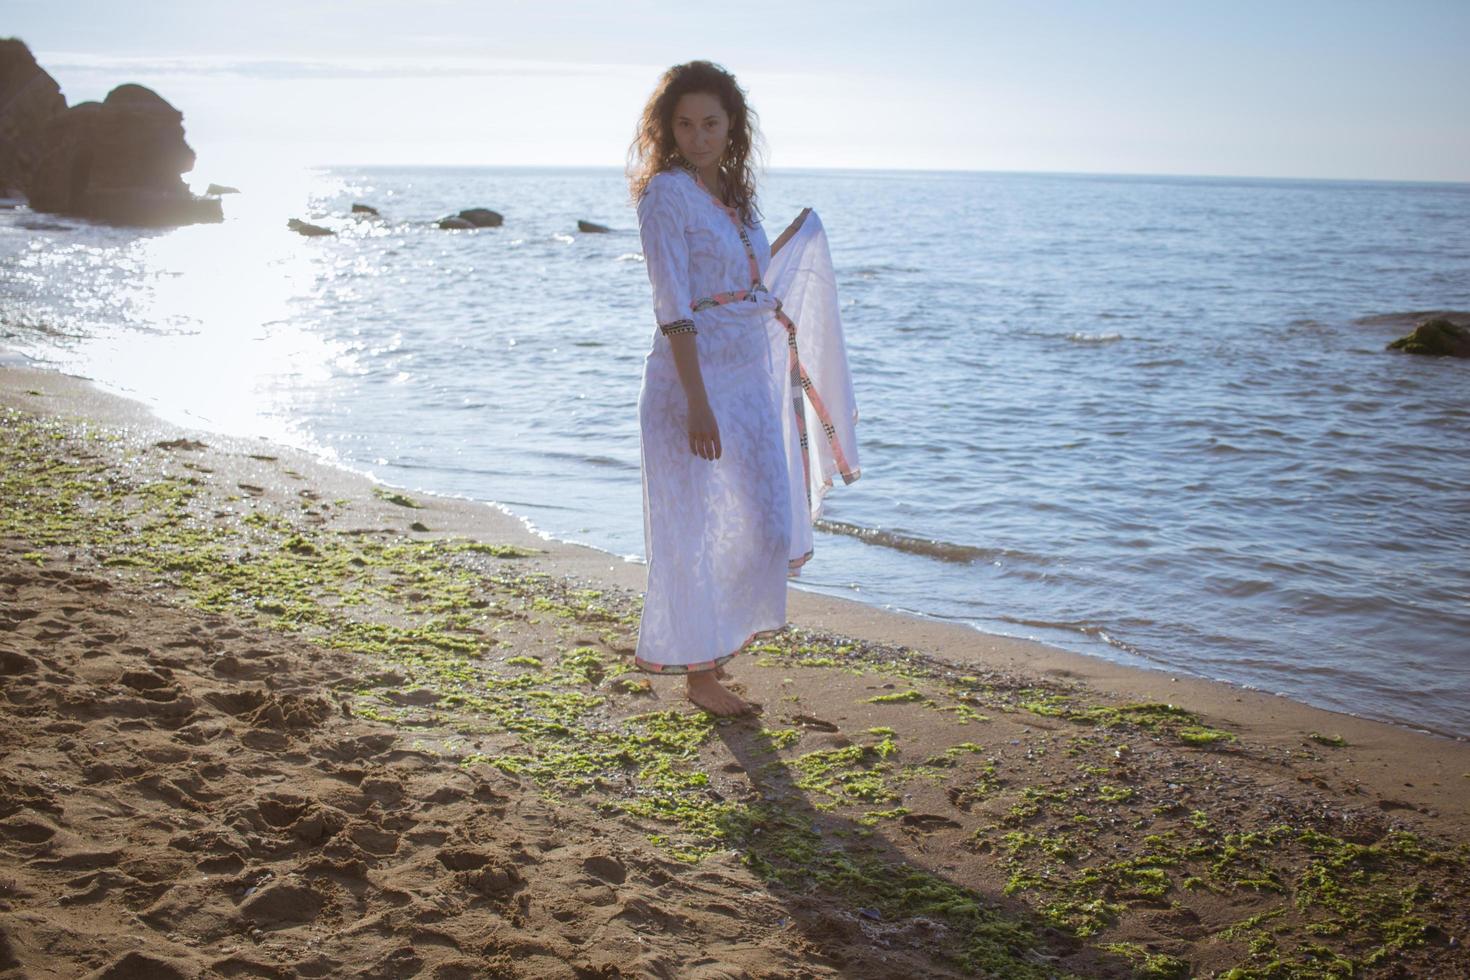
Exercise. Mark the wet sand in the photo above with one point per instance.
(265, 719)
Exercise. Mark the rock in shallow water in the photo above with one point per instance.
(1438, 337)
(310, 230)
(482, 217)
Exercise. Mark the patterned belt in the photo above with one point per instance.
(800, 382)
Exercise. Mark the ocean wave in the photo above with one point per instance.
(931, 547)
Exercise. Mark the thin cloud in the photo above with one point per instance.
(323, 68)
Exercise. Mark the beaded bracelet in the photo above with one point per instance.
(677, 326)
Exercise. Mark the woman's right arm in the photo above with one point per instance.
(666, 255)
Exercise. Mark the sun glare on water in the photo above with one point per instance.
(212, 323)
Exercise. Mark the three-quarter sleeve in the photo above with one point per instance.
(666, 254)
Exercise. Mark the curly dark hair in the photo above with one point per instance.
(654, 149)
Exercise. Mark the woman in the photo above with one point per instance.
(722, 445)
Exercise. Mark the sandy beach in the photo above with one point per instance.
(264, 718)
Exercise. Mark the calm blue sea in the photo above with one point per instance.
(1131, 416)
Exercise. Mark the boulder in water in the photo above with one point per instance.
(309, 230)
(455, 224)
(29, 100)
(592, 227)
(482, 217)
(119, 161)
(364, 209)
(1438, 337)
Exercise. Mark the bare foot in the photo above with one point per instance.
(705, 690)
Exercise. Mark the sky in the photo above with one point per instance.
(1288, 88)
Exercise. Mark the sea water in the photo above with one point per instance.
(1137, 417)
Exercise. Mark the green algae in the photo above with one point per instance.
(781, 738)
(871, 818)
(898, 697)
(1114, 794)
(1197, 735)
(431, 610)
(1149, 965)
(1062, 847)
(854, 772)
(1342, 889)
(1031, 803)
(394, 497)
(785, 848)
(836, 657)
(966, 713)
(494, 550)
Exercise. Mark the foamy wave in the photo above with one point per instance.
(943, 550)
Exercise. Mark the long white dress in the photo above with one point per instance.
(723, 535)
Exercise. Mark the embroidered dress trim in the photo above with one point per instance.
(657, 668)
(793, 566)
(677, 326)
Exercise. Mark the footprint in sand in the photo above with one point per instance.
(928, 823)
(372, 840)
(492, 875)
(260, 708)
(14, 664)
(358, 749)
(283, 902)
(53, 629)
(816, 724)
(639, 911)
(26, 829)
(156, 684)
(77, 861)
(606, 868)
(140, 966)
(89, 889)
(717, 971)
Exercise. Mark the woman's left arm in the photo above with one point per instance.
(791, 229)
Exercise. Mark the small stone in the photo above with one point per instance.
(308, 229)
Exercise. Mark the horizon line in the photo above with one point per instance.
(914, 170)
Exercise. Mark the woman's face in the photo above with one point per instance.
(701, 128)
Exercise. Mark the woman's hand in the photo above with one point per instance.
(704, 433)
(791, 229)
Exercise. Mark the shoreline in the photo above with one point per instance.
(239, 718)
(823, 609)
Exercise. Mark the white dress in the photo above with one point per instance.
(723, 535)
